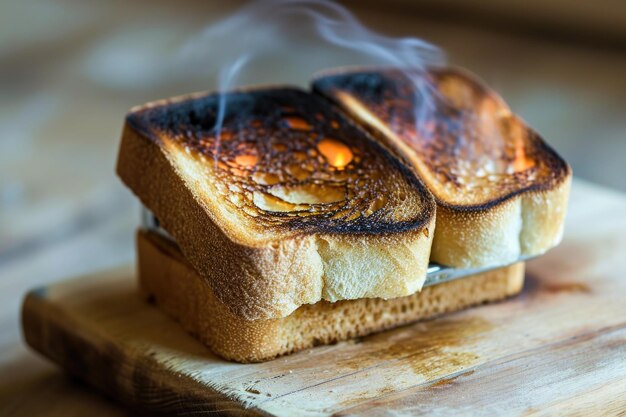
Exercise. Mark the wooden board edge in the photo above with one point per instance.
(120, 375)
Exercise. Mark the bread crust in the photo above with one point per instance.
(172, 283)
(270, 278)
(524, 226)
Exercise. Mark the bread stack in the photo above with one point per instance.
(299, 218)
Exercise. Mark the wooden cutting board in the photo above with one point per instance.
(558, 348)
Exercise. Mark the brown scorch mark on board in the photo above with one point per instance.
(566, 287)
(433, 351)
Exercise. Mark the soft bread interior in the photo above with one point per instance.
(360, 268)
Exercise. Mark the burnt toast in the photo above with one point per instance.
(288, 203)
(501, 191)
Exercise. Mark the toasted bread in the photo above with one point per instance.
(291, 203)
(501, 191)
(167, 279)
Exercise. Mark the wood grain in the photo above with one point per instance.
(587, 375)
(545, 351)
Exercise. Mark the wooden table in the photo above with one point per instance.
(62, 211)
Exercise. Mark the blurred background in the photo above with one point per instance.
(70, 70)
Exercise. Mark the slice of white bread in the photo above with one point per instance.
(291, 203)
(501, 191)
(167, 278)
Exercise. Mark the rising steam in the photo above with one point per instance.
(267, 37)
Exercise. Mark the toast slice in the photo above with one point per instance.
(289, 203)
(501, 191)
(166, 278)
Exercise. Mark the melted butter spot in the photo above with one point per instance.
(238, 172)
(298, 172)
(225, 135)
(269, 202)
(299, 156)
(247, 160)
(265, 178)
(297, 123)
(308, 193)
(279, 147)
(336, 153)
(433, 349)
